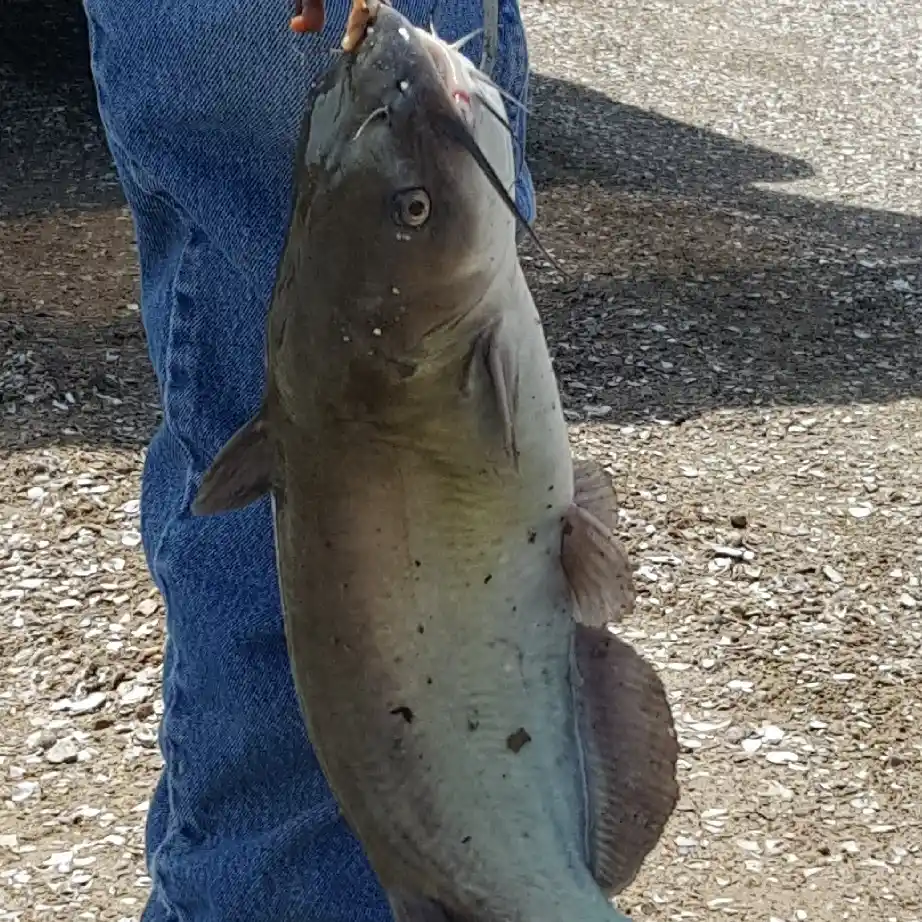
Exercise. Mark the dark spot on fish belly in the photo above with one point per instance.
(516, 741)
(532, 536)
(418, 563)
(567, 529)
(420, 629)
(404, 712)
(487, 578)
(428, 679)
(472, 724)
(465, 840)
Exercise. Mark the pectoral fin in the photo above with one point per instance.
(240, 474)
(630, 750)
(594, 560)
(495, 354)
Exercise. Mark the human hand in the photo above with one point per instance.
(309, 16)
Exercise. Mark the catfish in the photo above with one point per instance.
(448, 571)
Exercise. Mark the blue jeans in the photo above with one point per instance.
(201, 102)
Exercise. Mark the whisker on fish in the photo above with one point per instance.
(498, 116)
(480, 75)
(381, 110)
(455, 130)
(461, 42)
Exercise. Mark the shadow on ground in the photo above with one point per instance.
(710, 291)
(705, 291)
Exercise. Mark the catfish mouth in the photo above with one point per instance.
(373, 23)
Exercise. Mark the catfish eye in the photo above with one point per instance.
(412, 207)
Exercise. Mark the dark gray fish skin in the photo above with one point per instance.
(446, 570)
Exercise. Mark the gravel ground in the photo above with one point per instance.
(738, 187)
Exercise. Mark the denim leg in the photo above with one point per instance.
(201, 102)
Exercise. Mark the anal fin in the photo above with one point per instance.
(630, 750)
(594, 560)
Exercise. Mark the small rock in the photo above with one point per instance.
(92, 702)
(146, 737)
(739, 520)
(144, 710)
(9, 841)
(85, 812)
(686, 842)
(62, 752)
(102, 722)
(61, 861)
(134, 694)
(41, 739)
(832, 574)
(721, 550)
(781, 757)
(23, 791)
(775, 790)
(147, 607)
(860, 512)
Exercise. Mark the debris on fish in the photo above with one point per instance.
(447, 571)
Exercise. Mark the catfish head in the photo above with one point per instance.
(404, 210)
